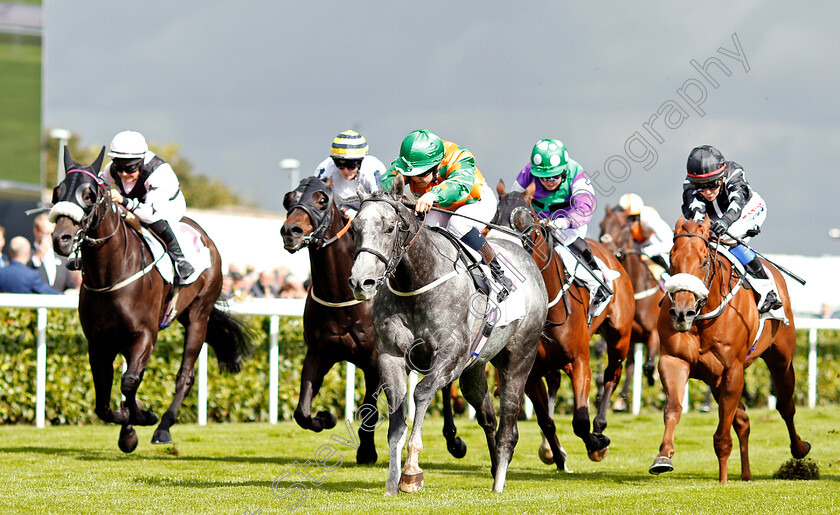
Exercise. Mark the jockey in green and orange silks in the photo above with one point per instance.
(443, 175)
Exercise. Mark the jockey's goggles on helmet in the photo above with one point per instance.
(350, 164)
(708, 185)
(127, 166)
(554, 178)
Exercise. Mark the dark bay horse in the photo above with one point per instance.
(427, 318)
(710, 330)
(336, 326)
(566, 336)
(617, 238)
(123, 299)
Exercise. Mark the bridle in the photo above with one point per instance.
(402, 240)
(321, 219)
(709, 266)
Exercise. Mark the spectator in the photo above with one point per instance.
(265, 288)
(292, 288)
(50, 265)
(3, 261)
(227, 288)
(19, 278)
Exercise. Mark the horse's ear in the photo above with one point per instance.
(500, 188)
(608, 209)
(678, 228)
(328, 182)
(361, 193)
(706, 224)
(528, 194)
(398, 187)
(97, 165)
(68, 161)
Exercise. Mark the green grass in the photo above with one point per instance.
(230, 468)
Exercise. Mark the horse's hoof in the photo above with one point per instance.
(661, 464)
(599, 454)
(128, 439)
(801, 454)
(326, 419)
(410, 483)
(620, 405)
(458, 448)
(545, 454)
(161, 436)
(366, 457)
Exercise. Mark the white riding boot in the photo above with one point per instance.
(767, 298)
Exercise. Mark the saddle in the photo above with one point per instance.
(479, 278)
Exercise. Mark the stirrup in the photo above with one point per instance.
(771, 302)
(600, 296)
(505, 284)
(183, 268)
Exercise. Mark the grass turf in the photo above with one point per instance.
(231, 468)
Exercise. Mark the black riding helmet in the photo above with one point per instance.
(705, 164)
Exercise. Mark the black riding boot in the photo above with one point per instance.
(659, 260)
(761, 283)
(581, 248)
(182, 267)
(488, 257)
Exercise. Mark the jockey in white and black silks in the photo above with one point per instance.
(148, 187)
(443, 174)
(719, 189)
(349, 166)
(565, 198)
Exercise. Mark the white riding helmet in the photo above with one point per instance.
(631, 203)
(128, 145)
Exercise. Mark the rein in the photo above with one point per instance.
(399, 249)
(710, 274)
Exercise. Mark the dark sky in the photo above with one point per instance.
(241, 85)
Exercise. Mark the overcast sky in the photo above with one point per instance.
(241, 85)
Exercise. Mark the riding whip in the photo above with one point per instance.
(780, 267)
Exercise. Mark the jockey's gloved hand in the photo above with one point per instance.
(718, 227)
(560, 223)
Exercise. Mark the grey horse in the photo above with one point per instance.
(427, 319)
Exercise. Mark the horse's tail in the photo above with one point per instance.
(230, 338)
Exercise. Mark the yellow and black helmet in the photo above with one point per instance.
(349, 145)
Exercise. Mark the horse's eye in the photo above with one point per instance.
(287, 200)
(85, 196)
(390, 228)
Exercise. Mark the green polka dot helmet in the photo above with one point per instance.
(549, 158)
(420, 150)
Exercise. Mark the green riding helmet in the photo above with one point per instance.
(420, 150)
(549, 158)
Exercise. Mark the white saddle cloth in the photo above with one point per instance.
(194, 251)
(576, 270)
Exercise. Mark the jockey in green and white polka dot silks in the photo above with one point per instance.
(564, 194)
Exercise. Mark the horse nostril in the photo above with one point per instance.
(296, 231)
(369, 283)
(690, 313)
(672, 312)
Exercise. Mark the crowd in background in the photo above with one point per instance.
(247, 283)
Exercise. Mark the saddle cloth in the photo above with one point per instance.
(194, 251)
(773, 314)
(576, 270)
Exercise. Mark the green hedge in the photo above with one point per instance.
(244, 396)
(70, 396)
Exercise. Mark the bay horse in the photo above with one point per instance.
(336, 326)
(617, 238)
(123, 299)
(710, 330)
(428, 318)
(565, 341)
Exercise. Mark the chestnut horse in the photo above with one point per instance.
(616, 237)
(564, 343)
(710, 330)
(336, 327)
(123, 300)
